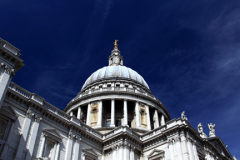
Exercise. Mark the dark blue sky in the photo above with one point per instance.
(187, 51)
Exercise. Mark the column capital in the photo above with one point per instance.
(70, 135)
(37, 118)
(8, 70)
(112, 98)
(29, 114)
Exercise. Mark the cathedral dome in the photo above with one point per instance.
(115, 72)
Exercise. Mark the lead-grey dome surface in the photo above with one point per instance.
(120, 72)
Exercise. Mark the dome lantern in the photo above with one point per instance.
(115, 58)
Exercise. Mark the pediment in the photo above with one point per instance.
(52, 133)
(156, 154)
(218, 143)
(91, 152)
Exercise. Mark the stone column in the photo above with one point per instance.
(79, 113)
(125, 113)
(137, 120)
(33, 137)
(156, 122)
(23, 139)
(88, 114)
(112, 113)
(76, 149)
(71, 113)
(99, 123)
(57, 151)
(148, 118)
(5, 80)
(68, 153)
(162, 120)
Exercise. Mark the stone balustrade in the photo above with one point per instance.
(54, 110)
(20, 90)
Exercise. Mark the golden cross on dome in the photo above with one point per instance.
(115, 44)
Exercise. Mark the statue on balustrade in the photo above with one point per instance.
(183, 116)
(211, 130)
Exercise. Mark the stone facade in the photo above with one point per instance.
(115, 117)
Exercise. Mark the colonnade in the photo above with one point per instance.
(158, 121)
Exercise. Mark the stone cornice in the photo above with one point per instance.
(10, 57)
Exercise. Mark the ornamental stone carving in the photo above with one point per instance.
(37, 118)
(8, 70)
(183, 116)
(211, 130)
(70, 135)
(29, 114)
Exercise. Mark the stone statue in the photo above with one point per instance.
(200, 130)
(211, 130)
(183, 116)
(235, 158)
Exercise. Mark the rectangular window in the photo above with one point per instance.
(108, 123)
(118, 123)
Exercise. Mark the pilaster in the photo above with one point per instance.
(6, 146)
(170, 146)
(33, 137)
(132, 153)
(68, 153)
(57, 151)
(178, 144)
(5, 80)
(23, 139)
(76, 148)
